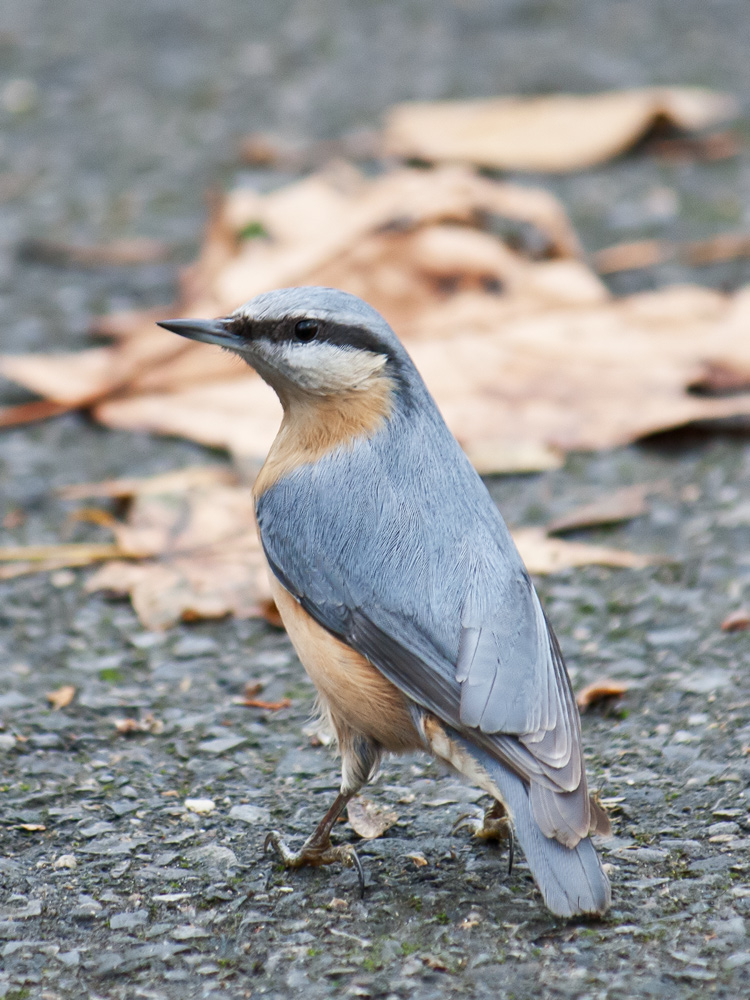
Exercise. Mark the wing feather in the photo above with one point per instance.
(450, 617)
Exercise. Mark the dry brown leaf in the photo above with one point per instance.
(168, 482)
(648, 253)
(26, 413)
(61, 697)
(622, 505)
(14, 518)
(269, 706)
(194, 553)
(555, 134)
(737, 621)
(368, 819)
(118, 253)
(148, 724)
(534, 384)
(489, 456)
(261, 149)
(632, 256)
(20, 560)
(434, 963)
(419, 860)
(703, 148)
(543, 554)
(199, 557)
(270, 612)
(600, 691)
(549, 365)
(314, 227)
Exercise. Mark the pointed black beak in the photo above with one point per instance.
(209, 331)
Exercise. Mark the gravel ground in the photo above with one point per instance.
(115, 118)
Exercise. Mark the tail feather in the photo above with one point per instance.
(571, 880)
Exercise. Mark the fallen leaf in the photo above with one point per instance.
(31, 827)
(263, 150)
(632, 256)
(270, 612)
(640, 254)
(168, 482)
(127, 726)
(544, 364)
(118, 253)
(198, 556)
(203, 807)
(468, 923)
(319, 734)
(368, 819)
(543, 555)
(701, 148)
(531, 382)
(93, 515)
(26, 413)
(24, 559)
(148, 724)
(737, 621)
(600, 691)
(434, 963)
(337, 904)
(419, 859)
(555, 134)
(75, 554)
(622, 505)
(719, 379)
(14, 518)
(271, 706)
(717, 249)
(61, 697)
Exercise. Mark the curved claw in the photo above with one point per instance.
(511, 850)
(468, 820)
(495, 826)
(315, 854)
(273, 839)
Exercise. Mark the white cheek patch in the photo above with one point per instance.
(324, 368)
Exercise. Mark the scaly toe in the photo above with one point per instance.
(315, 855)
(469, 822)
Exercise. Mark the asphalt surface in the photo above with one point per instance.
(114, 120)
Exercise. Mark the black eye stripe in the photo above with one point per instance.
(306, 330)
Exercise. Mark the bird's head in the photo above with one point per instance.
(305, 341)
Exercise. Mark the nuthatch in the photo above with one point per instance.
(401, 588)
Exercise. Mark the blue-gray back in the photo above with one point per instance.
(394, 545)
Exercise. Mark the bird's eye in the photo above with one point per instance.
(306, 330)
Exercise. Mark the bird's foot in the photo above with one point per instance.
(495, 825)
(315, 853)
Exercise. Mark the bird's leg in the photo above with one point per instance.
(317, 849)
(359, 759)
(495, 825)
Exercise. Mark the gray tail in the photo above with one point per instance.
(571, 880)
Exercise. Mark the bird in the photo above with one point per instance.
(401, 588)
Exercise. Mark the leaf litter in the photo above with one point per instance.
(555, 134)
(188, 548)
(600, 691)
(526, 352)
(369, 819)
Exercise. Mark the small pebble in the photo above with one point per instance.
(65, 861)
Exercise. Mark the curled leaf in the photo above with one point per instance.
(61, 697)
(368, 819)
(737, 621)
(600, 691)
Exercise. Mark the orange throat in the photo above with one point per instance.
(315, 425)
